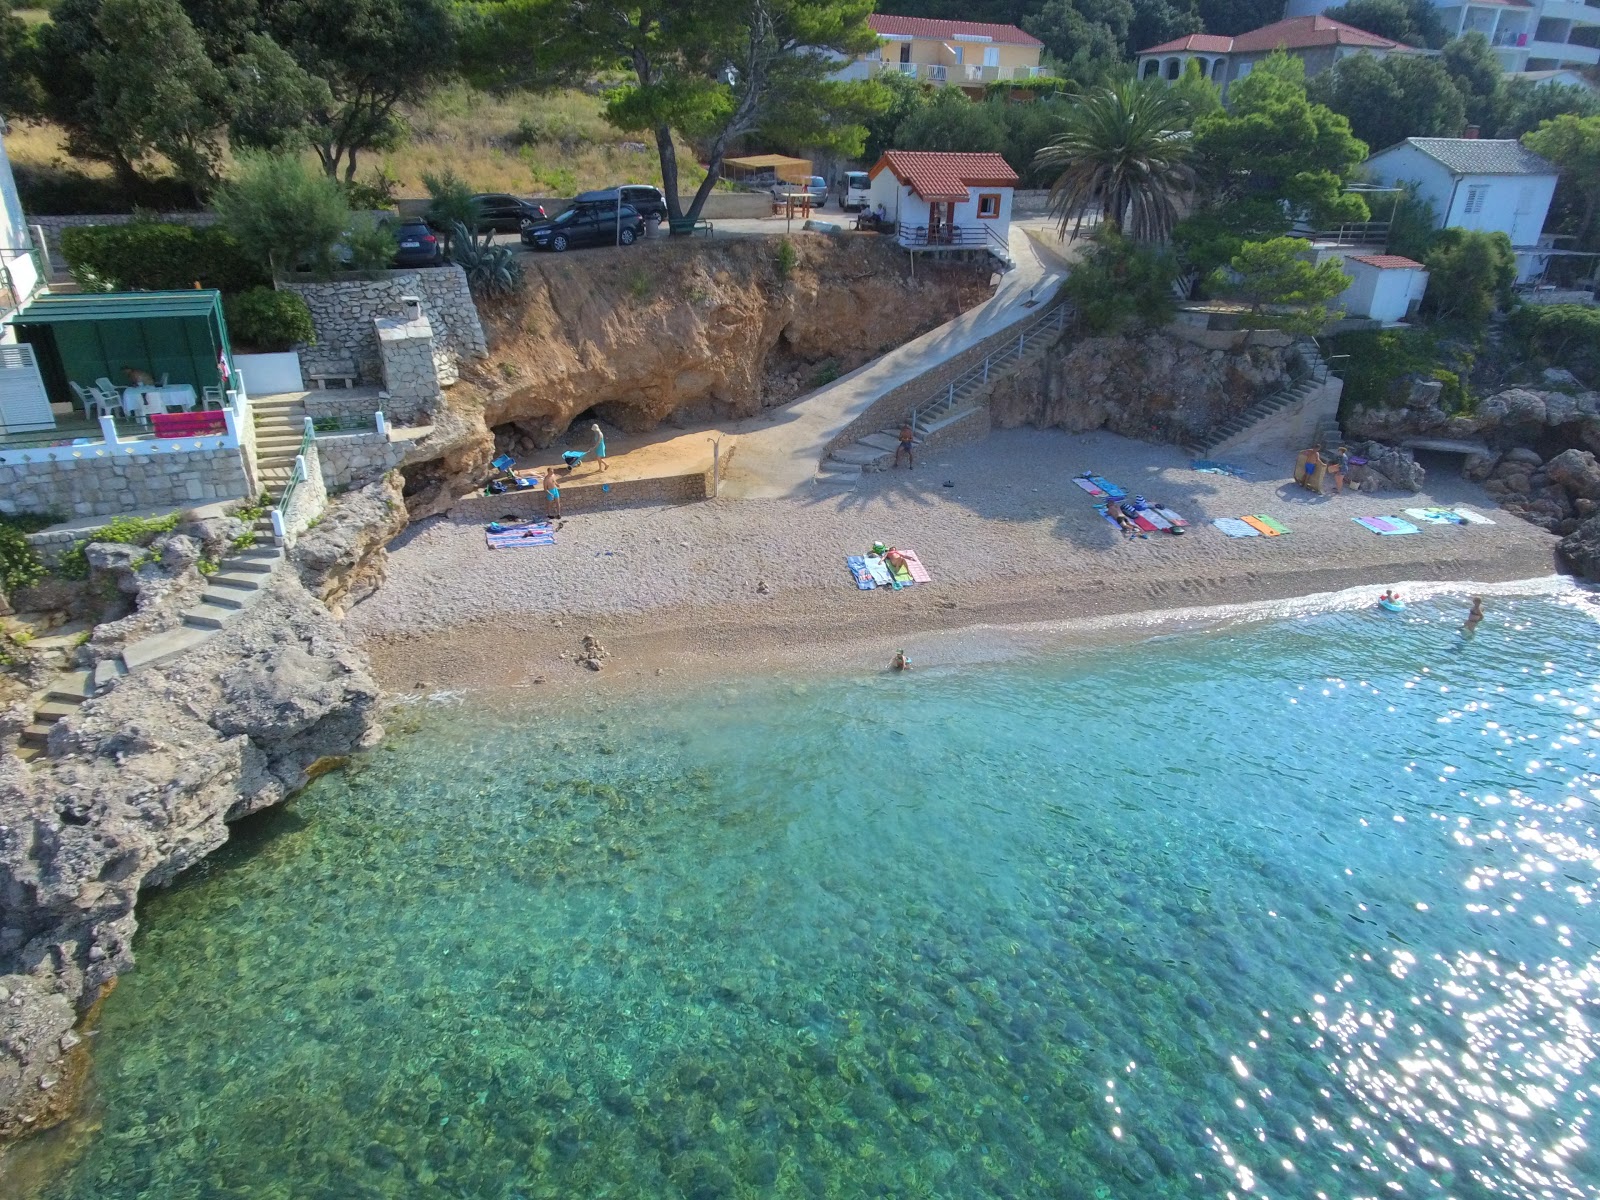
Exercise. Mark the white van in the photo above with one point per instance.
(853, 191)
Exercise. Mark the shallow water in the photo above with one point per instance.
(1301, 909)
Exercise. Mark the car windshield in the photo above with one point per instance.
(857, 179)
(567, 217)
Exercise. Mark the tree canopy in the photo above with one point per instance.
(1392, 98)
(1470, 274)
(1573, 144)
(1283, 286)
(1472, 66)
(1414, 22)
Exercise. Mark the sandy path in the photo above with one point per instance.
(1014, 541)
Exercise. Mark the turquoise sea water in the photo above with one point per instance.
(1302, 909)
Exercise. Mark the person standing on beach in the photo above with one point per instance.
(552, 493)
(599, 445)
(908, 437)
(1473, 617)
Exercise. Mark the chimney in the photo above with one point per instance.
(413, 307)
(1470, 133)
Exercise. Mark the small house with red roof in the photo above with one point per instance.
(1317, 41)
(945, 201)
(1383, 287)
(965, 54)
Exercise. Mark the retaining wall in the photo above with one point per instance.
(108, 486)
(528, 503)
(343, 309)
(352, 459)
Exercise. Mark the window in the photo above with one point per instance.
(1475, 195)
(991, 56)
(960, 53)
(989, 205)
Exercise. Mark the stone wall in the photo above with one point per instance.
(103, 487)
(410, 370)
(309, 499)
(351, 460)
(343, 310)
(528, 503)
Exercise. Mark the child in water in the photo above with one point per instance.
(900, 662)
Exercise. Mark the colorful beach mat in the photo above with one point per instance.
(1234, 527)
(1471, 517)
(1088, 486)
(1436, 516)
(858, 571)
(1385, 526)
(1267, 526)
(511, 537)
(1106, 486)
(1172, 518)
(919, 573)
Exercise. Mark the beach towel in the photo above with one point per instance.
(510, 537)
(1171, 517)
(1143, 522)
(879, 570)
(1234, 527)
(919, 573)
(1437, 516)
(1206, 466)
(1112, 521)
(1272, 523)
(858, 571)
(1385, 526)
(1259, 526)
(1155, 518)
(1472, 518)
(1106, 486)
(1087, 486)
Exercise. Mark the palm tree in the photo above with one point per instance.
(1122, 153)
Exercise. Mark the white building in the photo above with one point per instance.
(1491, 185)
(1527, 35)
(941, 200)
(19, 275)
(1383, 287)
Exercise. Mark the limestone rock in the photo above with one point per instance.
(1577, 472)
(344, 560)
(1513, 407)
(1560, 377)
(141, 781)
(34, 1023)
(1523, 456)
(1397, 466)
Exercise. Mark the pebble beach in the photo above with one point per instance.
(757, 585)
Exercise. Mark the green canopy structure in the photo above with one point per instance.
(87, 336)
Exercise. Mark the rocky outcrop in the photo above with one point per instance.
(138, 786)
(1387, 468)
(344, 560)
(1151, 386)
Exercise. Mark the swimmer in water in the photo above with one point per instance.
(900, 662)
(1470, 626)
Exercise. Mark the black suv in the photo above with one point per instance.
(645, 200)
(505, 214)
(586, 224)
(416, 245)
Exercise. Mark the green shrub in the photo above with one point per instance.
(286, 214)
(785, 262)
(450, 203)
(825, 373)
(1119, 282)
(152, 256)
(1454, 396)
(19, 562)
(1379, 365)
(129, 531)
(1562, 335)
(371, 243)
(268, 320)
(376, 194)
(491, 270)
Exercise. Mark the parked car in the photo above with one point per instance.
(505, 214)
(586, 224)
(854, 191)
(647, 201)
(816, 185)
(419, 246)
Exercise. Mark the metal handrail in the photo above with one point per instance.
(297, 476)
(1054, 319)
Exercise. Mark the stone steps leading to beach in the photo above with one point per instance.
(61, 699)
(1291, 393)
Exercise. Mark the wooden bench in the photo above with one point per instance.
(682, 225)
(322, 378)
(183, 425)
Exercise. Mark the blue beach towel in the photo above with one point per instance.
(1234, 527)
(858, 571)
(1385, 526)
(1208, 467)
(1106, 486)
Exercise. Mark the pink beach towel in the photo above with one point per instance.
(919, 573)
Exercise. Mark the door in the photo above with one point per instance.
(24, 404)
(905, 52)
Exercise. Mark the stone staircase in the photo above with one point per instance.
(280, 426)
(1312, 378)
(61, 699)
(959, 399)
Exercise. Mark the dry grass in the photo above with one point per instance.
(530, 145)
(32, 16)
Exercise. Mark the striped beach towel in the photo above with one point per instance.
(919, 573)
(1385, 526)
(511, 537)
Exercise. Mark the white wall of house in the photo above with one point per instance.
(967, 212)
(898, 200)
(1382, 294)
(13, 230)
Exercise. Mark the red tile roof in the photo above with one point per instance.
(939, 175)
(1296, 33)
(884, 24)
(1386, 262)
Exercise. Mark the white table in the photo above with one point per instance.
(142, 401)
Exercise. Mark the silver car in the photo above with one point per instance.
(815, 185)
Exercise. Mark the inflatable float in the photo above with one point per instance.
(1389, 605)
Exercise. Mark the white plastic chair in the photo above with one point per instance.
(84, 398)
(106, 386)
(211, 397)
(163, 382)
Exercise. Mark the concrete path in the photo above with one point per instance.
(780, 458)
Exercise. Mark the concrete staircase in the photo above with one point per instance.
(280, 427)
(963, 396)
(62, 699)
(1313, 379)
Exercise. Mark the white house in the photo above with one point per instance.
(1473, 183)
(941, 200)
(1383, 287)
(1528, 36)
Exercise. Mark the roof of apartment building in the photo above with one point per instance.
(1296, 33)
(946, 176)
(1480, 156)
(1387, 262)
(886, 25)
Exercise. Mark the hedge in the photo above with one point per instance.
(267, 321)
(152, 256)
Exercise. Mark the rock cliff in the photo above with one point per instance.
(343, 559)
(1151, 386)
(139, 785)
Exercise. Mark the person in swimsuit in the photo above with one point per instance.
(599, 445)
(896, 562)
(552, 493)
(1476, 615)
(1123, 520)
(900, 662)
(907, 437)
